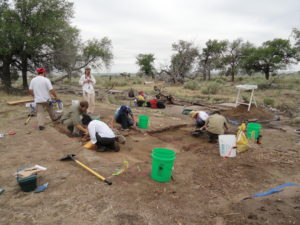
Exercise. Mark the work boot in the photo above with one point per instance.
(41, 127)
(101, 149)
(116, 147)
(121, 139)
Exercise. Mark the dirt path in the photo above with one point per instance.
(207, 189)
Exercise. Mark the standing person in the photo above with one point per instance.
(72, 118)
(88, 81)
(101, 135)
(122, 116)
(215, 125)
(39, 88)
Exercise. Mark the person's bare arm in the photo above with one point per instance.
(133, 119)
(113, 122)
(53, 92)
(31, 92)
(81, 128)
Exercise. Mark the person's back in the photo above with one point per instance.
(41, 87)
(216, 124)
(74, 109)
(101, 128)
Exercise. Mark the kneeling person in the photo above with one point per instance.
(101, 135)
(122, 116)
(72, 118)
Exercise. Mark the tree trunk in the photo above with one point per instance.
(6, 78)
(232, 74)
(204, 74)
(24, 72)
(267, 74)
(208, 73)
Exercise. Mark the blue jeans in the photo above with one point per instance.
(200, 123)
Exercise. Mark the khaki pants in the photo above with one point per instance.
(69, 123)
(40, 110)
(90, 98)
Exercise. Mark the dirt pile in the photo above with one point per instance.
(241, 113)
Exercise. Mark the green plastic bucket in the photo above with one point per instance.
(162, 164)
(253, 130)
(143, 122)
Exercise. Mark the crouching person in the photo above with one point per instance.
(72, 118)
(215, 125)
(100, 134)
(124, 117)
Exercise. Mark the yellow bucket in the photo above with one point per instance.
(89, 145)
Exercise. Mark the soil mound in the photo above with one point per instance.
(241, 113)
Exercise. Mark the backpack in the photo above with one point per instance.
(161, 105)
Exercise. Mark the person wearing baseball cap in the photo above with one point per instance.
(40, 88)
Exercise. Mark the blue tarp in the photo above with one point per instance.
(274, 190)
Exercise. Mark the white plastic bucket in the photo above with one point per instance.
(227, 145)
(75, 102)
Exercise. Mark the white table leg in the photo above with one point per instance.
(250, 102)
(237, 98)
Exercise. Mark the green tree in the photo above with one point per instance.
(296, 34)
(74, 55)
(145, 62)
(37, 33)
(211, 57)
(182, 61)
(234, 54)
(42, 24)
(9, 39)
(270, 57)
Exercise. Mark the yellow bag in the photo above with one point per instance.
(242, 141)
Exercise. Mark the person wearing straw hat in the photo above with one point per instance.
(200, 117)
(88, 81)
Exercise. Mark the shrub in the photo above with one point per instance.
(191, 85)
(269, 101)
(297, 119)
(211, 88)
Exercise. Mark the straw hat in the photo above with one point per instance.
(192, 114)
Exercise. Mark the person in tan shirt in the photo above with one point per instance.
(215, 125)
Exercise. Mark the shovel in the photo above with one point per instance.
(71, 157)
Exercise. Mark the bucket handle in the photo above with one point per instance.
(226, 156)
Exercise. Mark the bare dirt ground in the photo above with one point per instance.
(207, 189)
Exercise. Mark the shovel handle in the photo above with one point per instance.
(29, 117)
(93, 172)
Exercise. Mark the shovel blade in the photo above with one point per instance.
(67, 157)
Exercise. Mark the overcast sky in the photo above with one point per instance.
(151, 26)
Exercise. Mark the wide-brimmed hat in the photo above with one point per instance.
(192, 114)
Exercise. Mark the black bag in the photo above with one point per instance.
(161, 105)
(131, 93)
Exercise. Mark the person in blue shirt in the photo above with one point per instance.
(124, 116)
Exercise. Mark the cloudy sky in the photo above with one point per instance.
(151, 26)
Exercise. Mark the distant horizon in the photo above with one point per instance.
(145, 27)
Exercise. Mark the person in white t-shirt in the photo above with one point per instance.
(100, 134)
(88, 81)
(40, 88)
(200, 118)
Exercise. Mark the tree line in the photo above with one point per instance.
(224, 57)
(38, 33)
